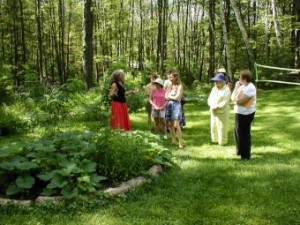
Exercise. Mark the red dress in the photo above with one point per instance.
(119, 112)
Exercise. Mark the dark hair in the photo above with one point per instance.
(115, 76)
(154, 75)
(246, 75)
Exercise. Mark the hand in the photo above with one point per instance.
(135, 90)
(238, 84)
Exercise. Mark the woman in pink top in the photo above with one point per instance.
(158, 102)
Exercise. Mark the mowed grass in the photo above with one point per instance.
(210, 185)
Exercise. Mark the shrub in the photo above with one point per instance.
(11, 119)
(122, 155)
(70, 164)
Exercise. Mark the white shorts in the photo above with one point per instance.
(158, 113)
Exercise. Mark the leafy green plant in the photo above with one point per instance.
(201, 88)
(105, 99)
(5, 91)
(56, 165)
(11, 119)
(71, 164)
(123, 155)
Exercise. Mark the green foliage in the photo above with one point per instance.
(74, 85)
(124, 155)
(57, 165)
(136, 101)
(11, 119)
(105, 100)
(118, 64)
(6, 92)
(71, 164)
(201, 87)
(87, 107)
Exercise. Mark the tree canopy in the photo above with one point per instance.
(55, 40)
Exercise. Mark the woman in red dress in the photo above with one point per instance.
(119, 112)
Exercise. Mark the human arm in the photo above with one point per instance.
(219, 99)
(113, 90)
(177, 96)
(246, 96)
(151, 101)
(134, 90)
(224, 99)
(236, 91)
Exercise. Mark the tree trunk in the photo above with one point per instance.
(295, 35)
(15, 43)
(185, 31)
(61, 15)
(225, 39)
(88, 44)
(178, 61)
(160, 36)
(141, 38)
(2, 59)
(244, 33)
(276, 24)
(40, 40)
(24, 53)
(211, 17)
(131, 34)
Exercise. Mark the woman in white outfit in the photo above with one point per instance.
(218, 102)
(244, 98)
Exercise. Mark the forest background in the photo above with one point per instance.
(57, 40)
(55, 59)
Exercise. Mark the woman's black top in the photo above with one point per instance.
(120, 94)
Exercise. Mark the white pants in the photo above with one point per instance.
(219, 127)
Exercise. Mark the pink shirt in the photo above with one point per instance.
(158, 97)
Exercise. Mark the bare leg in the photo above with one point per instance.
(178, 133)
(156, 120)
(172, 131)
(163, 124)
(149, 122)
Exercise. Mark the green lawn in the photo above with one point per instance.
(210, 185)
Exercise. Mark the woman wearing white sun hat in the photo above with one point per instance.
(223, 71)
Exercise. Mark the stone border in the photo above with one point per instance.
(121, 189)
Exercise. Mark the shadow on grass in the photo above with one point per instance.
(211, 185)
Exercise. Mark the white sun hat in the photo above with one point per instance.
(221, 70)
(159, 81)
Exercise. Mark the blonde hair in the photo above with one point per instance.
(177, 78)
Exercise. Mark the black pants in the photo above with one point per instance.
(242, 134)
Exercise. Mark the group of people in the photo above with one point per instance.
(244, 99)
(164, 105)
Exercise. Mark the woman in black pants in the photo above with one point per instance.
(244, 98)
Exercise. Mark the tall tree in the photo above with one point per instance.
(88, 44)
(211, 17)
(276, 24)
(244, 32)
(61, 40)
(225, 37)
(295, 34)
(40, 52)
